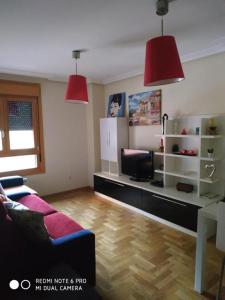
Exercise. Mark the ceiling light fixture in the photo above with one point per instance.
(77, 85)
(162, 61)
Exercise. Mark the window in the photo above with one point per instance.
(21, 136)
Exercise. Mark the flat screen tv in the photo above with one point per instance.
(139, 164)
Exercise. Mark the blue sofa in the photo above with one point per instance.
(70, 243)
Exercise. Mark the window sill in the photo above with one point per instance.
(28, 172)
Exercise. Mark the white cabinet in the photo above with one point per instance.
(113, 137)
(108, 132)
(104, 140)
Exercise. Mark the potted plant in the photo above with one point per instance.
(210, 152)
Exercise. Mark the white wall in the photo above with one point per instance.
(202, 92)
(65, 140)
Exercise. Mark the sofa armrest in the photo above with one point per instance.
(17, 196)
(11, 181)
(78, 250)
(17, 192)
(70, 237)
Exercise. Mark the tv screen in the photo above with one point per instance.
(139, 164)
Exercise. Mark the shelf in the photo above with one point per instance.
(187, 175)
(215, 197)
(178, 135)
(159, 171)
(211, 159)
(180, 155)
(175, 155)
(207, 180)
(211, 136)
(159, 153)
(190, 136)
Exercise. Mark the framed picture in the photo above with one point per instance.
(116, 106)
(145, 108)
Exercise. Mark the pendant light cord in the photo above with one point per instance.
(162, 32)
(76, 66)
(76, 55)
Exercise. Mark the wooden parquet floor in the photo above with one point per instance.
(138, 258)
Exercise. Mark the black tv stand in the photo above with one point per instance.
(151, 199)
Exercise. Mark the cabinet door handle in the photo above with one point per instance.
(181, 204)
(109, 139)
(113, 182)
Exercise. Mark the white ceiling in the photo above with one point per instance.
(38, 36)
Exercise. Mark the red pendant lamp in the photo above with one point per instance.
(77, 85)
(162, 61)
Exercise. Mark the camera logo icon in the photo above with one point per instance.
(14, 284)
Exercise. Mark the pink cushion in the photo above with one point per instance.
(59, 225)
(33, 202)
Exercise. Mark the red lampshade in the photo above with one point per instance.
(162, 62)
(77, 89)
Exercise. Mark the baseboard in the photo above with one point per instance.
(63, 193)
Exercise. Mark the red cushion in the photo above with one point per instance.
(59, 225)
(33, 202)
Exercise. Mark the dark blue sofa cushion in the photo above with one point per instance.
(11, 181)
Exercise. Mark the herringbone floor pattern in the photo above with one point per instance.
(138, 258)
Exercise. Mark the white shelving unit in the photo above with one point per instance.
(191, 169)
